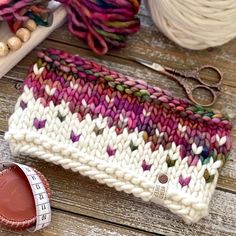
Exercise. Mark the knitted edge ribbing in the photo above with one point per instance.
(186, 206)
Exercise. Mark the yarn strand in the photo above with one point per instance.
(102, 24)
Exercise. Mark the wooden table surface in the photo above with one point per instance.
(82, 206)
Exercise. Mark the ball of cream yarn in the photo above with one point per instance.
(195, 24)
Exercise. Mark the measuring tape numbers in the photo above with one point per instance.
(42, 205)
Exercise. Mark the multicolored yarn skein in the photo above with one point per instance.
(103, 24)
(18, 12)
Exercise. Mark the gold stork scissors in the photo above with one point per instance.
(182, 77)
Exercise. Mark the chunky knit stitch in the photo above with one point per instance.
(121, 132)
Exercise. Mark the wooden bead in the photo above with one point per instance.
(24, 34)
(3, 49)
(30, 25)
(14, 43)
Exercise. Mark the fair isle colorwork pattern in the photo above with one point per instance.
(120, 131)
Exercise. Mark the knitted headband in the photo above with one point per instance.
(121, 132)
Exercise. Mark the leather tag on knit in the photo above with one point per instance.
(160, 190)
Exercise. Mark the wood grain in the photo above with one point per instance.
(151, 44)
(75, 193)
(74, 225)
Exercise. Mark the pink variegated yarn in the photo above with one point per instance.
(18, 12)
(102, 24)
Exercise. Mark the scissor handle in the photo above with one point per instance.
(191, 90)
(213, 68)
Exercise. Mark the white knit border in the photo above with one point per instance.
(38, 145)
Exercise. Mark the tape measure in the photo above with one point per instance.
(42, 205)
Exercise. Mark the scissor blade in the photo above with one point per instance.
(149, 64)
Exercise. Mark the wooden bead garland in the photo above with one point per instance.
(3, 49)
(15, 42)
(24, 34)
(30, 25)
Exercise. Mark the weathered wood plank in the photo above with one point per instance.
(9, 94)
(75, 193)
(150, 44)
(73, 225)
